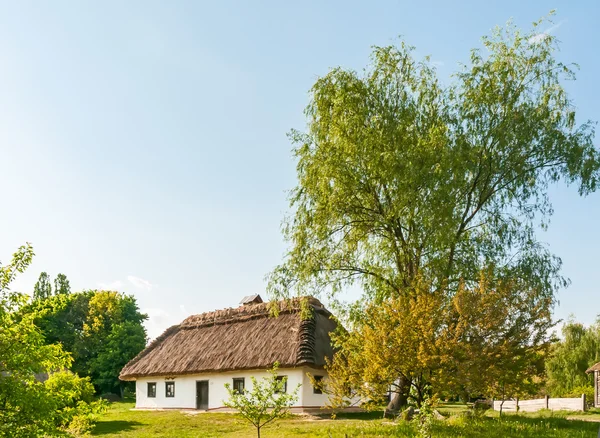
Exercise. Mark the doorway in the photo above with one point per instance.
(202, 395)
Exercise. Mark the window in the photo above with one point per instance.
(282, 379)
(169, 389)
(318, 385)
(238, 385)
(151, 389)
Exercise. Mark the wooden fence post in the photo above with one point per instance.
(547, 402)
(517, 404)
(583, 402)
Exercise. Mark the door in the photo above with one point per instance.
(202, 395)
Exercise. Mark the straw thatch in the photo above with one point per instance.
(593, 368)
(247, 337)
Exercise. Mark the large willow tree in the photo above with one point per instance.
(403, 177)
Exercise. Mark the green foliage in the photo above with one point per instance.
(28, 407)
(61, 285)
(102, 330)
(399, 176)
(265, 402)
(442, 344)
(403, 179)
(74, 407)
(425, 417)
(571, 357)
(124, 341)
(68, 388)
(42, 288)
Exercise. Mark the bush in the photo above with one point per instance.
(75, 410)
(80, 425)
(68, 388)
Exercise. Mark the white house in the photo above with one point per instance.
(188, 366)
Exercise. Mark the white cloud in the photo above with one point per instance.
(158, 321)
(438, 63)
(116, 285)
(538, 38)
(140, 283)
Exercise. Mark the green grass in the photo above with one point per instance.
(122, 421)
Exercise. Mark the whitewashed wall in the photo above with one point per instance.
(555, 404)
(185, 388)
(569, 404)
(308, 397)
(532, 405)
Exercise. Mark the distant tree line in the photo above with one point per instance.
(102, 330)
(43, 287)
(570, 357)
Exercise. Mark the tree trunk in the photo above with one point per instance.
(502, 402)
(399, 399)
(258, 431)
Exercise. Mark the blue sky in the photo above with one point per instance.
(143, 144)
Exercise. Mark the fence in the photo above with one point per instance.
(554, 404)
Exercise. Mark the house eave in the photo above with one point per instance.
(134, 377)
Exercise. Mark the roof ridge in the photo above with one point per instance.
(253, 310)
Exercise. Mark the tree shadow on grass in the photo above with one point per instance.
(364, 415)
(114, 426)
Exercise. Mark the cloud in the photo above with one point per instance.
(115, 285)
(140, 283)
(438, 63)
(158, 321)
(538, 38)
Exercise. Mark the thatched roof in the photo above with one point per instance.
(593, 368)
(247, 337)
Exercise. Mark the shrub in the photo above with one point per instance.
(75, 410)
(425, 417)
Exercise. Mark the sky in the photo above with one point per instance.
(143, 144)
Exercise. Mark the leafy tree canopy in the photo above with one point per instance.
(578, 349)
(403, 178)
(43, 287)
(61, 285)
(400, 175)
(480, 341)
(102, 330)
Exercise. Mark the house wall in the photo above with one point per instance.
(309, 398)
(185, 388)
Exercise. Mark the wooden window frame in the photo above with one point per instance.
(151, 393)
(318, 386)
(280, 378)
(236, 382)
(167, 395)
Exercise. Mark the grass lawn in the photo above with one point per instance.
(122, 421)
